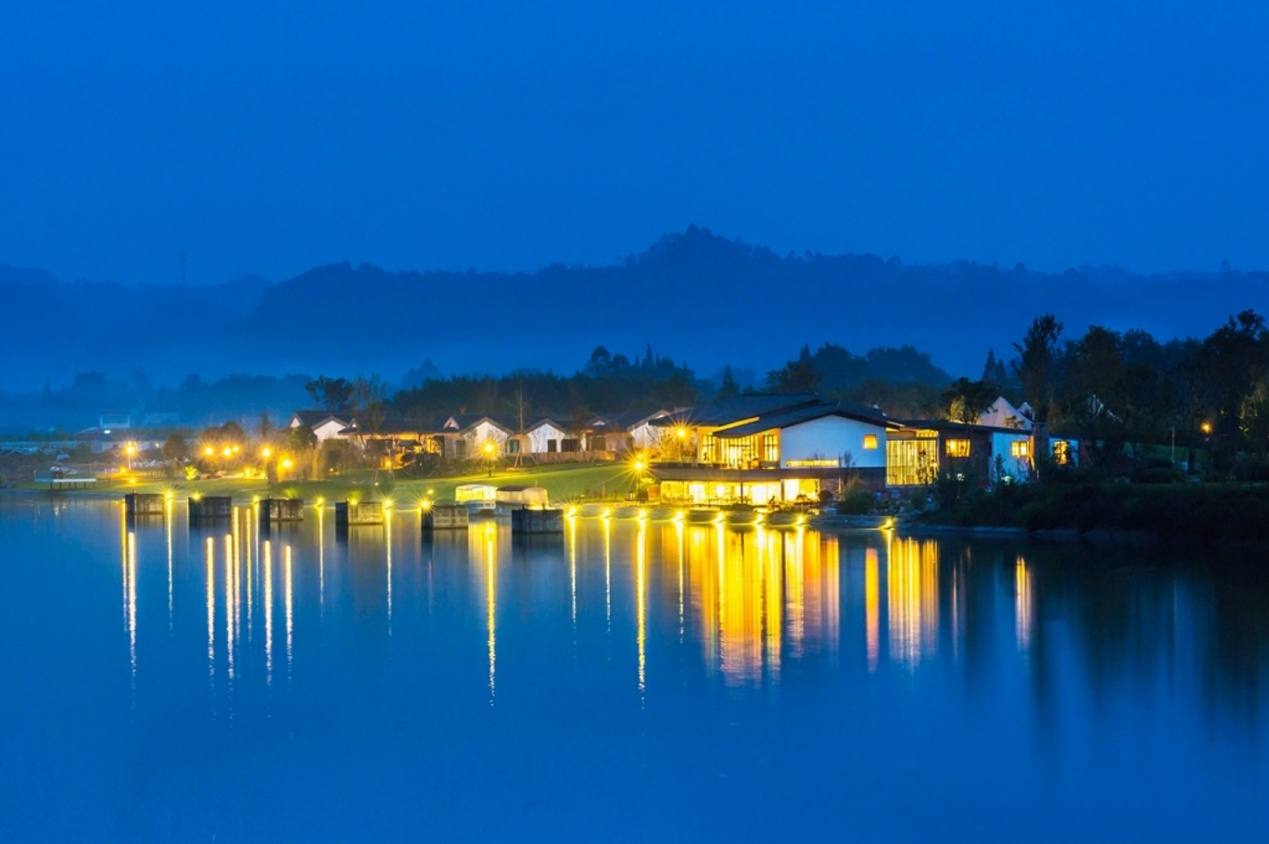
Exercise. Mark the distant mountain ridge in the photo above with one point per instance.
(701, 298)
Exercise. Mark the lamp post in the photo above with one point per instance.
(489, 455)
(1206, 428)
(130, 449)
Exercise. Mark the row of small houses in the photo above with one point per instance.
(761, 448)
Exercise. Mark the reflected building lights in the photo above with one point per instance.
(1022, 603)
(387, 542)
(229, 607)
(607, 572)
(209, 554)
(267, 564)
(641, 604)
(912, 605)
(132, 604)
(168, 504)
(289, 603)
(872, 605)
(572, 573)
(491, 604)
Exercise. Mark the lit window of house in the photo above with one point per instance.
(870, 441)
(1020, 448)
(957, 448)
(771, 448)
(1061, 452)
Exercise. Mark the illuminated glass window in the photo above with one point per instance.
(1061, 452)
(870, 440)
(1021, 448)
(910, 462)
(957, 448)
(707, 449)
(771, 448)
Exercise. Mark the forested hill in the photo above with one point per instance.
(701, 298)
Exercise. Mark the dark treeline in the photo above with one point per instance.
(608, 383)
(713, 299)
(1119, 390)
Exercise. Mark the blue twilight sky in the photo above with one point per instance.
(270, 136)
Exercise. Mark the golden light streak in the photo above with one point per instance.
(210, 556)
(641, 604)
(572, 572)
(321, 557)
(491, 606)
(229, 606)
(290, 608)
(132, 604)
(872, 606)
(167, 523)
(387, 541)
(608, 572)
(795, 590)
(1022, 603)
(267, 563)
(678, 530)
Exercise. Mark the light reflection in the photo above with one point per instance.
(1022, 603)
(572, 573)
(912, 586)
(210, 557)
(229, 606)
(321, 559)
(290, 618)
(167, 523)
(872, 606)
(131, 576)
(491, 603)
(387, 541)
(761, 596)
(608, 572)
(267, 563)
(641, 603)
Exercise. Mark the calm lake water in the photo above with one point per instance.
(627, 681)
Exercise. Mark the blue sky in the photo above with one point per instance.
(270, 137)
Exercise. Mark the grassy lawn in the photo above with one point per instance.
(563, 483)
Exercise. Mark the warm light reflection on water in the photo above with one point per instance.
(675, 634)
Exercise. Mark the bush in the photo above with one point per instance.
(855, 502)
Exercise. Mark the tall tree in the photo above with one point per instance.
(333, 394)
(1036, 369)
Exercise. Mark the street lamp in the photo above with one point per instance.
(489, 455)
(130, 449)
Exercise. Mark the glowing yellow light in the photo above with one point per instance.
(352, 500)
(681, 433)
(131, 449)
(266, 452)
(235, 449)
(228, 451)
(638, 465)
(196, 496)
(607, 512)
(571, 511)
(320, 502)
(426, 505)
(431, 492)
(1206, 427)
(489, 448)
(387, 503)
(286, 463)
(209, 451)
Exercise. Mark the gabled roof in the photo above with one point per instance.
(796, 416)
(464, 422)
(948, 426)
(558, 424)
(625, 420)
(730, 411)
(313, 418)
